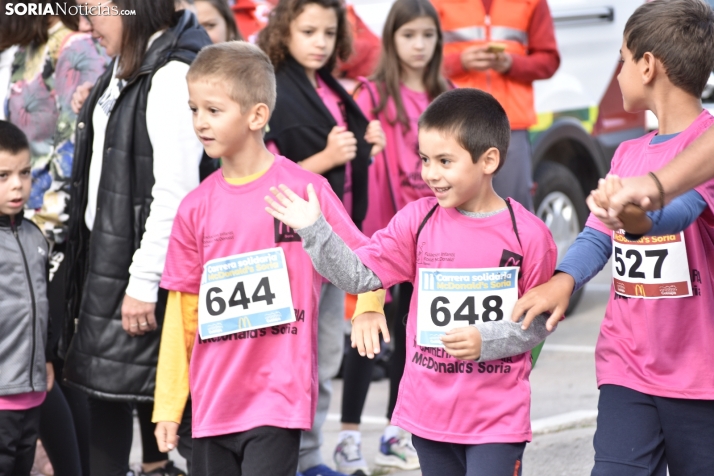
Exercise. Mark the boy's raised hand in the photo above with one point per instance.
(463, 343)
(293, 210)
(552, 297)
(365, 333)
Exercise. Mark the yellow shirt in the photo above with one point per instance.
(179, 335)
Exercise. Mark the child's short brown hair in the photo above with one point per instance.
(474, 117)
(679, 33)
(12, 139)
(243, 67)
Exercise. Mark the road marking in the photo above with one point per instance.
(583, 349)
(540, 426)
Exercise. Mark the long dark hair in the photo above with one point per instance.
(225, 11)
(273, 39)
(150, 16)
(32, 30)
(388, 72)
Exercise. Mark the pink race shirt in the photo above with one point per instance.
(662, 346)
(266, 377)
(395, 175)
(442, 398)
(22, 401)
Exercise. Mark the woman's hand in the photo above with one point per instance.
(293, 210)
(375, 136)
(137, 317)
(50, 376)
(80, 95)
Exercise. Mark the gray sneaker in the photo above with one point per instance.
(348, 458)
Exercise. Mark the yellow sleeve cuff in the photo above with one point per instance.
(177, 337)
(372, 301)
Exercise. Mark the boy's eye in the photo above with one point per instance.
(26, 172)
(193, 109)
(213, 110)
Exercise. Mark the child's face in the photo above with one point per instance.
(631, 84)
(447, 168)
(312, 36)
(217, 119)
(15, 181)
(415, 43)
(212, 21)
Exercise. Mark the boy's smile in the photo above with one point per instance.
(447, 168)
(15, 181)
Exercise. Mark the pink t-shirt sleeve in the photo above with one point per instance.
(183, 268)
(391, 252)
(364, 101)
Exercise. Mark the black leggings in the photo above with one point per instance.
(112, 428)
(64, 430)
(357, 372)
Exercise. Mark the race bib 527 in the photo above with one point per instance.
(244, 292)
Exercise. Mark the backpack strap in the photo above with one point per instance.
(423, 222)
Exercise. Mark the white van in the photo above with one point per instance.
(581, 120)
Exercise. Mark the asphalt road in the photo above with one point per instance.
(564, 398)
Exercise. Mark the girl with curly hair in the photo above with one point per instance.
(317, 124)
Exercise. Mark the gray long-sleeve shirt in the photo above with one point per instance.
(334, 260)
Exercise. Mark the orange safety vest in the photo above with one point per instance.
(465, 23)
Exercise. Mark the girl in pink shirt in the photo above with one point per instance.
(408, 77)
(317, 124)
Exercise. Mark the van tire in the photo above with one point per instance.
(559, 190)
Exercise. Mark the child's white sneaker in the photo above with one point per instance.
(348, 454)
(396, 450)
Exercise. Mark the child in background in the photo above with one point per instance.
(26, 374)
(317, 124)
(216, 18)
(656, 404)
(407, 79)
(252, 384)
(466, 417)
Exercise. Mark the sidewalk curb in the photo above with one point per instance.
(564, 421)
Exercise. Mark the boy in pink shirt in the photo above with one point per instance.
(656, 405)
(465, 394)
(241, 279)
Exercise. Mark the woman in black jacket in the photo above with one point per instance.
(136, 158)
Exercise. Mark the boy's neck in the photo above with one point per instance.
(486, 201)
(675, 109)
(250, 160)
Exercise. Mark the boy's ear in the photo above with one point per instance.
(648, 67)
(490, 160)
(259, 117)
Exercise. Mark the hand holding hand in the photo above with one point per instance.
(137, 317)
(365, 333)
(375, 136)
(463, 343)
(80, 95)
(166, 434)
(293, 210)
(503, 63)
(553, 297)
(341, 146)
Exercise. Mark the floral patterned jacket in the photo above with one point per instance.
(43, 81)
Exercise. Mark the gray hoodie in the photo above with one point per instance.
(23, 306)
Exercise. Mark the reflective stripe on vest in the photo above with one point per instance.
(505, 33)
(469, 33)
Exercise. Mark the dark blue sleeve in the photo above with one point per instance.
(586, 256)
(676, 216)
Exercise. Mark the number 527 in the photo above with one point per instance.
(621, 267)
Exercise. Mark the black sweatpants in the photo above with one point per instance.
(61, 424)
(357, 374)
(112, 428)
(641, 435)
(265, 450)
(18, 440)
(451, 459)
